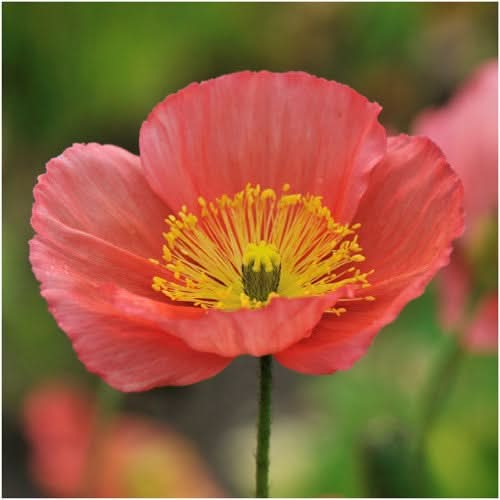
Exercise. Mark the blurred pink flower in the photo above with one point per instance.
(467, 131)
(128, 457)
(482, 332)
(309, 275)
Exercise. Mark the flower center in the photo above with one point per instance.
(242, 251)
(260, 270)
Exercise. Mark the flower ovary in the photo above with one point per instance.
(261, 269)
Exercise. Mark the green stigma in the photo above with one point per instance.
(261, 269)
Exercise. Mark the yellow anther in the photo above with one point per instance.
(357, 258)
(289, 199)
(158, 283)
(167, 254)
(244, 300)
(268, 194)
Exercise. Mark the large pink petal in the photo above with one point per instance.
(410, 214)
(482, 334)
(269, 128)
(95, 211)
(467, 131)
(131, 354)
(63, 256)
(101, 191)
(257, 332)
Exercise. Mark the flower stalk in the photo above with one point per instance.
(264, 427)
(438, 389)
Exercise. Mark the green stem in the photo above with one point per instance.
(438, 388)
(264, 428)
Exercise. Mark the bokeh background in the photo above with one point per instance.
(92, 72)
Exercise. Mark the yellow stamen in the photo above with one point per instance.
(244, 250)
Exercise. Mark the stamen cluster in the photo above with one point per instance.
(242, 251)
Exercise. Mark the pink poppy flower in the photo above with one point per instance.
(467, 131)
(301, 230)
(135, 457)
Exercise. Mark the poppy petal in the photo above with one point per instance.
(64, 255)
(101, 221)
(264, 128)
(246, 331)
(130, 354)
(411, 212)
(101, 191)
(410, 215)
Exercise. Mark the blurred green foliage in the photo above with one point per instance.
(381, 396)
(91, 72)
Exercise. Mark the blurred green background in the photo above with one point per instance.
(92, 72)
